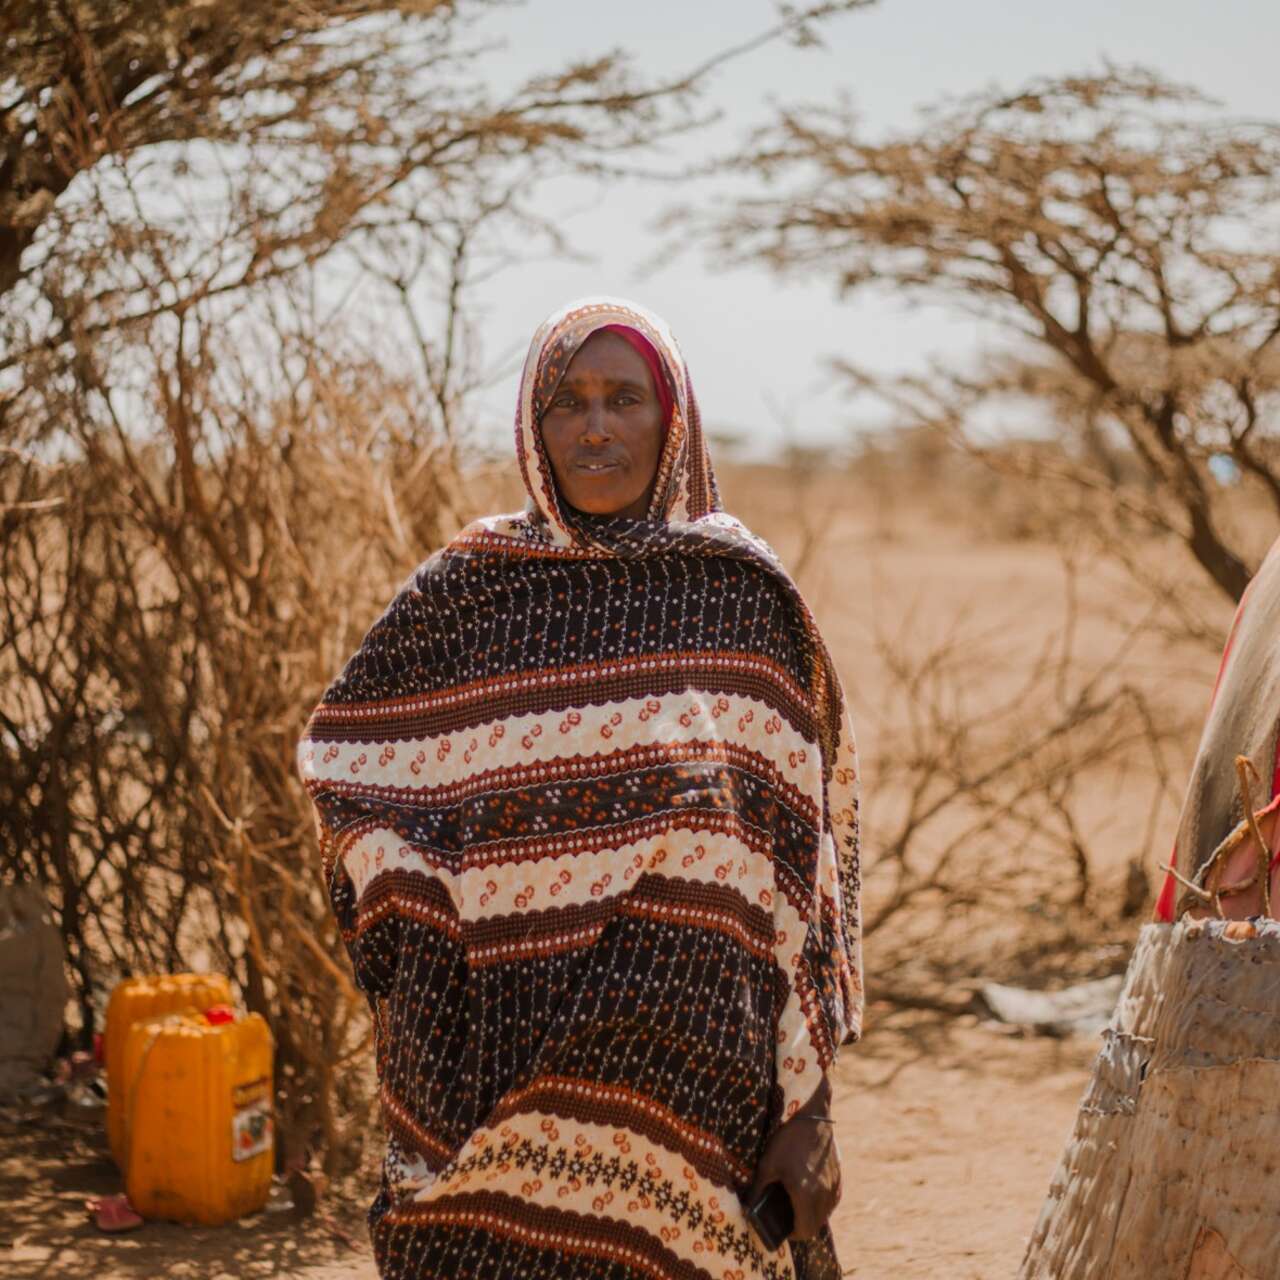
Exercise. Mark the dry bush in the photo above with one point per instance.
(963, 489)
(170, 617)
(999, 777)
(236, 369)
(1021, 756)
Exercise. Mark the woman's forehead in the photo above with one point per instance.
(610, 357)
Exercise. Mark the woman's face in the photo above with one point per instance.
(603, 429)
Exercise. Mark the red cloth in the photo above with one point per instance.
(656, 372)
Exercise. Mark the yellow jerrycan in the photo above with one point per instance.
(134, 1000)
(200, 1139)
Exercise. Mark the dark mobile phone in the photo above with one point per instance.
(772, 1216)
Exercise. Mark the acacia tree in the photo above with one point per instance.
(1120, 230)
(153, 155)
(82, 81)
(344, 99)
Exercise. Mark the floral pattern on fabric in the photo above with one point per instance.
(588, 807)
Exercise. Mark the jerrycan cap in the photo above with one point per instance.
(217, 1015)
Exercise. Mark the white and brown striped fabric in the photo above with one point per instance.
(587, 800)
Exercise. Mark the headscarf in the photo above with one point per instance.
(684, 486)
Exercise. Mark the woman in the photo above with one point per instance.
(588, 811)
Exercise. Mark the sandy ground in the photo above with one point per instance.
(949, 1135)
(948, 1132)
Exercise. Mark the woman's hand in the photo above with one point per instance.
(802, 1155)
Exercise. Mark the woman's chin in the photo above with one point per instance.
(595, 504)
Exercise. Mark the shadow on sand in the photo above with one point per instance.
(50, 1164)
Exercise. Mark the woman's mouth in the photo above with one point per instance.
(595, 468)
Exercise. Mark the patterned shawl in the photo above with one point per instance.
(587, 801)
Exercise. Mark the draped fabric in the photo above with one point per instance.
(587, 802)
(1243, 719)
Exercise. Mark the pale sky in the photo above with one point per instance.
(755, 344)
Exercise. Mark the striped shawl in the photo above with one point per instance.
(587, 801)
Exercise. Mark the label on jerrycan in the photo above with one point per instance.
(251, 1124)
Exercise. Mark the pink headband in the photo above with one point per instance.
(642, 344)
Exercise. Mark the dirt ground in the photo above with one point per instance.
(948, 1133)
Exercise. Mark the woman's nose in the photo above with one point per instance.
(595, 424)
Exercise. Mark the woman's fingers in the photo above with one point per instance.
(823, 1177)
(814, 1206)
(802, 1155)
(814, 1202)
